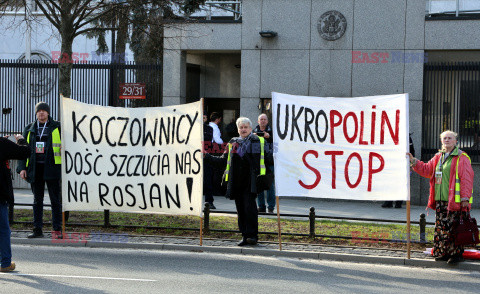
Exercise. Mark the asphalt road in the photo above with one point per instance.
(88, 270)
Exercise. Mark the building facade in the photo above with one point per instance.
(340, 48)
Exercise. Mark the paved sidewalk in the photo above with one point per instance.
(354, 209)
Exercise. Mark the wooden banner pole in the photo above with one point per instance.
(279, 225)
(408, 229)
(63, 224)
(201, 231)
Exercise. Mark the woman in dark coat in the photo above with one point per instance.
(241, 160)
(8, 150)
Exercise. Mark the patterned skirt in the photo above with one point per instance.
(443, 243)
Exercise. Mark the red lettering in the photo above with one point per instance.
(334, 124)
(371, 170)
(365, 58)
(362, 128)
(334, 166)
(372, 133)
(360, 172)
(84, 237)
(314, 170)
(84, 57)
(355, 236)
(345, 132)
(384, 56)
(355, 57)
(55, 56)
(375, 58)
(75, 57)
(390, 129)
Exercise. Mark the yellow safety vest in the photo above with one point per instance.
(263, 170)
(457, 181)
(56, 144)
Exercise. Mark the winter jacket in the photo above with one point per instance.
(252, 155)
(52, 171)
(465, 174)
(10, 150)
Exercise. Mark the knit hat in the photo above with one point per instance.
(42, 106)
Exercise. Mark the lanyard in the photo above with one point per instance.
(43, 129)
(443, 160)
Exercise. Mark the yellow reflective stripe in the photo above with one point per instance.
(56, 144)
(28, 142)
(263, 170)
(457, 181)
(229, 161)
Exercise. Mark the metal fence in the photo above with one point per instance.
(23, 84)
(451, 101)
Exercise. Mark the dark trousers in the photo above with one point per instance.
(247, 214)
(54, 191)
(208, 182)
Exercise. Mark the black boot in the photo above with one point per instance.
(37, 233)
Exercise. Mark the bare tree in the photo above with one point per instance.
(72, 18)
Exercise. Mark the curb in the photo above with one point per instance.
(372, 259)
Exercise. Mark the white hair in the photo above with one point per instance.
(243, 120)
(448, 132)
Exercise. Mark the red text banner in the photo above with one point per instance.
(343, 148)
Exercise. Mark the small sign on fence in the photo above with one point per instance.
(132, 91)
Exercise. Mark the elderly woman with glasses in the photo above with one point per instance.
(244, 161)
(449, 166)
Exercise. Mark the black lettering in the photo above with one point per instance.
(148, 135)
(295, 124)
(143, 197)
(165, 131)
(83, 191)
(96, 118)
(87, 161)
(126, 119)
(120, 173)
(321, 113)
(158, 197)
(140, 157)
(131, 195)
(119, 203)
(169, 197)
(308, 122)
(287, 120)
(198, 153)
(68, 159)
(78, 163)
(178, 129)
(114, 165)
(72, 191)
(76, 127)
(95, 165)
(102, 194)
(192, 123)
(136, 120)
(106, 132)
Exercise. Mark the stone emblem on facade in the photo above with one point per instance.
(332, 25)
(38, 81)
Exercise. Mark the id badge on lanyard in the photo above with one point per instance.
(438, 172)
(40, 147)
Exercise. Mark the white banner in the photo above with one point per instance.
(343, 148)
(143, 160)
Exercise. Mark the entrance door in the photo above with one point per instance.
(230, 110)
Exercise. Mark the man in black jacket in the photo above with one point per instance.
(43, 166)
(8, 150)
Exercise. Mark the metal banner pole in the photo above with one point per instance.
(408, 229)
